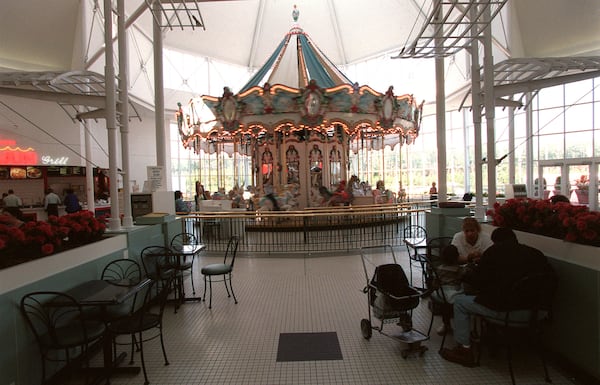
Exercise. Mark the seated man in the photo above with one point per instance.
(500, 266)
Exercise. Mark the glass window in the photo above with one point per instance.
(551, 97)
(551, 121)
(579, 117)
(579, 92)
(579, 144)
(551, 146)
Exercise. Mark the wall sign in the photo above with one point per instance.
(48, 160)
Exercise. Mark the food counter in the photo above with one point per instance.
(38, 213)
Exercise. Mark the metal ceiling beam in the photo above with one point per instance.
(176, 13)
(532, 85)
(455, 25)
(81, 100)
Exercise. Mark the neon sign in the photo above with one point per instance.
(48, 160)
(17, 155)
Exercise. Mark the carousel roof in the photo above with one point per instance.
(298, 88)
(295, 62)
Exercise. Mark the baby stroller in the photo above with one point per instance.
(391, 299)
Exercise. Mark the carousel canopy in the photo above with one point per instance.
(298, 89)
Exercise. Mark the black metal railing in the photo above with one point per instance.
(314, 230)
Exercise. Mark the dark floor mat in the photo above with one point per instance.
(308, 347)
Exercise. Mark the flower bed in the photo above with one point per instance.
(557, 220)
(37, 239)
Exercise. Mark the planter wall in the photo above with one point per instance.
(19, 356)
(574, 335)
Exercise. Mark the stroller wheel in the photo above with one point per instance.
(365, 328)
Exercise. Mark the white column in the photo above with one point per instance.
(124, 112)
(511, 144)
(89, 168)
(529, 148)
(159, 99)
(440, 110)
(114, 222)
(490, 106)
(476, 107)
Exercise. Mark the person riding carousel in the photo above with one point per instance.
(341, 195)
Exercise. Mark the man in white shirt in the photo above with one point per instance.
(51, 202)
(471, 242)
(11, 200)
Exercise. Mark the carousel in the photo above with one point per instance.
(298, 120)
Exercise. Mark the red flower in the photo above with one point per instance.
(49, 237)
(47, 249)
(562, 220)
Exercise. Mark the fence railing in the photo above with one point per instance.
(315, 230)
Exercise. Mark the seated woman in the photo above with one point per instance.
(180, 205)
(471, 242)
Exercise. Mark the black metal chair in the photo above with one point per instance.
(160, 266)
(187, 263)
(224, 269)
(534, 294)
(143, 319)
(415, 238)
(58, 324)
(438, 303)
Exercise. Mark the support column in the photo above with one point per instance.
(159, 99)
(89, 168)
(490, 107)
(511, 144)
(476, 107)
(529, 147)
(440, 110)
(114, 222)
(124, 112)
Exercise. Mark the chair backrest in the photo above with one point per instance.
(47, 311)
(415, 232)
(534, 291)
(122, 269)
(155, 260)
(181, 239)
(149, 303)
(231, 251)
(435, 247)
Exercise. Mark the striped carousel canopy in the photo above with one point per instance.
(295, 62)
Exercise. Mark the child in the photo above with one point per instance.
(449, 274)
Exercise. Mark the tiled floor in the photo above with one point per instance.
(237, 344)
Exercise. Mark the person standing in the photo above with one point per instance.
(71, 202)
(12, 204)
(51, 202)
(12, 200)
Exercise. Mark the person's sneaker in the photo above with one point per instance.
(459, 355)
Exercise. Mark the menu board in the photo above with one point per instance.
(34, 173)
(18, 173)
(4, 172)
(66, 171)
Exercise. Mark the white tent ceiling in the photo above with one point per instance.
(54, 36)
(37, 35)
